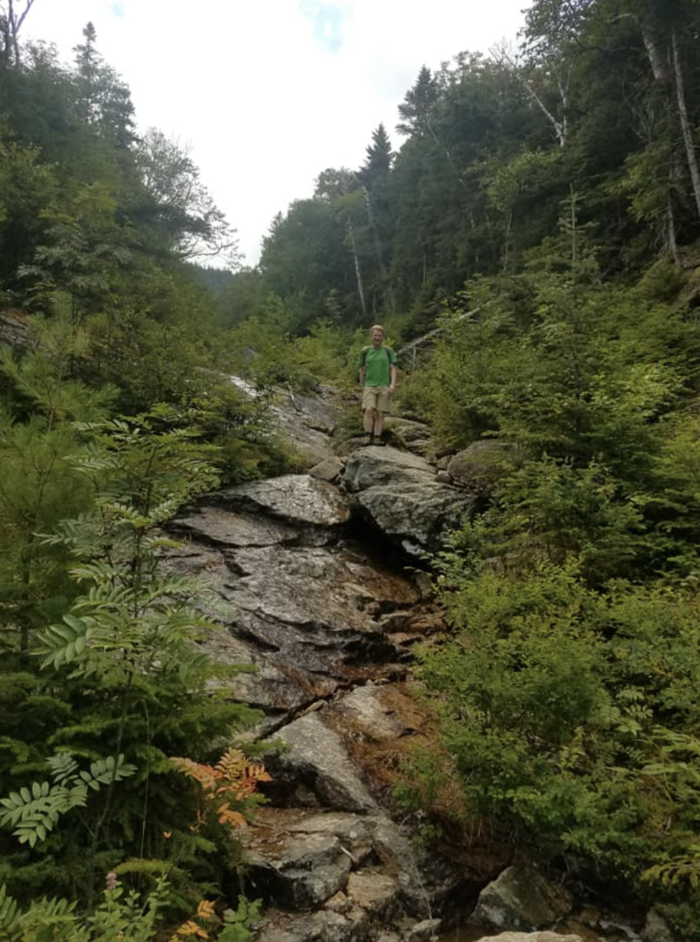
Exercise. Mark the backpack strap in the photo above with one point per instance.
(365, 351)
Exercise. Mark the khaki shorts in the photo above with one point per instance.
(376, 397)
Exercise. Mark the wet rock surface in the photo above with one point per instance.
(14, 329)
(533, 937)
(316, 769)
(306, 421)
(416, 515)
(521, 898)
(399, 493)
(296, 498)
(304, 584)
(378, 465)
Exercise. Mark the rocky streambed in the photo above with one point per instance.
(309, 578)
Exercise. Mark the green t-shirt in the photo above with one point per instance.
(377, 362)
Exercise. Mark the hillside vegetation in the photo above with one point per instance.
(543, 210)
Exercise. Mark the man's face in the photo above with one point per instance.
(377, 337)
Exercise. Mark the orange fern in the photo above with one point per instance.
(233, 778)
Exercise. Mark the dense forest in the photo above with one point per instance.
(543, 212)
(599, 99)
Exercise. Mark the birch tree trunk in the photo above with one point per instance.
(388, 291)
(691, 154)
(12, 24)
(358, 269)
(560, 127)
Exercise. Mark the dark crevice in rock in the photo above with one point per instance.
(318, 588)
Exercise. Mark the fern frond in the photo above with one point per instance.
(9, 921)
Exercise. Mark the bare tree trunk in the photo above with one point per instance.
(15, 30)
(675, 173)
(447, 153)
(388, 291)
(358, 269)
(560, 127)
(657, 59)
(685, 122)
(671, 243)
(506, 245)
(11, 26)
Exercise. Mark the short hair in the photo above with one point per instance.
(377, 327)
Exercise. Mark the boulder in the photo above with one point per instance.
(377, 465)
(14, 329)
(375, 892)
(424, 931)
(302, 872)
(302, 615)
(481, 465)
(421, 446)
(417, 515)
(216, 525)
(316, 769)
(329, 470)
(531, 937)
(296, 498)
(410, 430)
(377, 721)
(324, 926)
(520, 898)
(306, 421)
(380, 713)
(339, 903)
(656, 929)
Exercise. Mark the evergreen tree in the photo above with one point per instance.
(102, 98)
(379, 159)
(415, 109)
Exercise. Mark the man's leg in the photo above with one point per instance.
(370, 420)
(369, 408)
(383, 408)
(379, 424)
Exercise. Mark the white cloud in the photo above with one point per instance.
(270, 93)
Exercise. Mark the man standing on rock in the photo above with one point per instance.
(377, 365)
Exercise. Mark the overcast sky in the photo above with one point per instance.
(268, 93)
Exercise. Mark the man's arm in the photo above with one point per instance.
(392, 373)
(363, 370)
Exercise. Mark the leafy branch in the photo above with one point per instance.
(34, 811)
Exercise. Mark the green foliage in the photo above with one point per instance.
(39, 483)
(564, 689)
(35, 811)
(120, 915)
(237, 922)
(568, 690)
(568, 713)
(124, 652)
(95, 225)
(266, 354)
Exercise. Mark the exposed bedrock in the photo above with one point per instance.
(312, 585)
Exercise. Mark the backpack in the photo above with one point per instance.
(365, 351)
